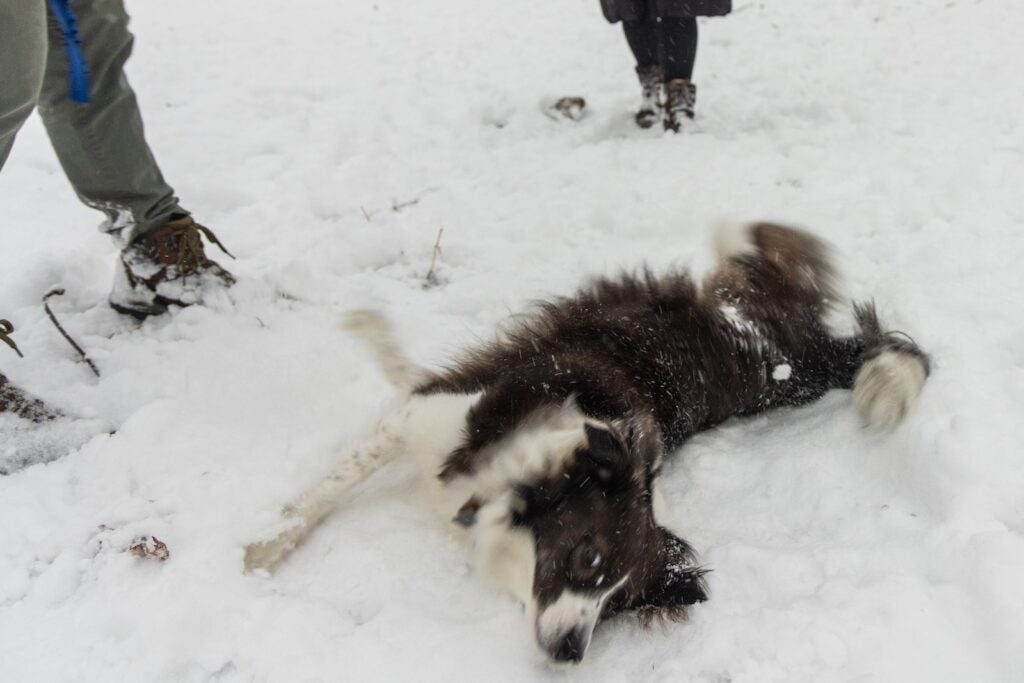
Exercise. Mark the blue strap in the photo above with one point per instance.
(78, 71)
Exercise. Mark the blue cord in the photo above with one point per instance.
(78, 71)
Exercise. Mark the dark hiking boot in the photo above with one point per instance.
(651, 82)
(167, 267)
(680, 98)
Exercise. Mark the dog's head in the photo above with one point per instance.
(597, 547)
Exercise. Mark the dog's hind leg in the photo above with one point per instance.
(765, 266)
(886, 370)
(781, 279)
(892, 372)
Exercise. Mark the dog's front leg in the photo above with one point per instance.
(308, 510)
(430, 426)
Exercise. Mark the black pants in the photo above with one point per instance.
(670, 42)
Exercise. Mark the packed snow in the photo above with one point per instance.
(327, 144)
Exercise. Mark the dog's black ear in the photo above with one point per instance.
(674, 582)
(531, 500)
(606, 454)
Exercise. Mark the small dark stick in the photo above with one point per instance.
(398, 205)
(58, 291)
(6, 330)
(431, 278)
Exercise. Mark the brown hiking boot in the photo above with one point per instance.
(680, 99)
(167, 267)
(650, 95)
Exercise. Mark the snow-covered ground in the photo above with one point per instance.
(327, 144)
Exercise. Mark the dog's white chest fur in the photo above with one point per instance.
(434, 426)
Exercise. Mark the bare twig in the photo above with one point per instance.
(365, 215)
(58, 291)
(6, 330)
(431, 278)
(397, 206)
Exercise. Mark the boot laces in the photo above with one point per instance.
(191, 256)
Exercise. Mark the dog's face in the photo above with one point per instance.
(598, 549)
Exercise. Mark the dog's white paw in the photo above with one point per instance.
(266, 555)
(886, 388)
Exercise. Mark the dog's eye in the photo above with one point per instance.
(587, 560)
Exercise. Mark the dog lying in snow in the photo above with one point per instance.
(546, 444)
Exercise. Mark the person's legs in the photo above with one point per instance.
(22, 58)
(103, 150)
(643, 41)
(677, 51)
(677, 46)
(642, 37)
(101, 145)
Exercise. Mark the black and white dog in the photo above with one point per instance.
(546, 444)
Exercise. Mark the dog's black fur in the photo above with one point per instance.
(556, 432)
(656, 359)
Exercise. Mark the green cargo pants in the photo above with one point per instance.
(100, 145)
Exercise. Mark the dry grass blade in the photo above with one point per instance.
(431, 276)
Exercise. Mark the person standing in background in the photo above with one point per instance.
(663, 37)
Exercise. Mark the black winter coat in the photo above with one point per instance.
(631, 10)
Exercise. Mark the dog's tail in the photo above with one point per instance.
(892, 372)
(375, 329)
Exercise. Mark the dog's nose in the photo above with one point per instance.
(570, 648)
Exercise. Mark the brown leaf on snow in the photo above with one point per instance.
(150, 548)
